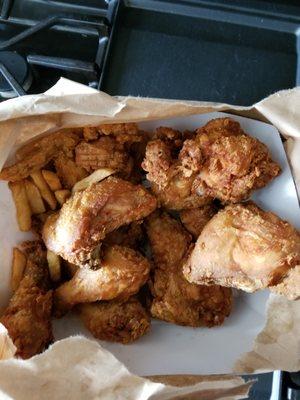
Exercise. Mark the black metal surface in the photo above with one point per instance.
(14, 72)
(57, 38)
(214, 53)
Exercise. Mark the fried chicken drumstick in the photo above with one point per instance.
(176, 300)
(244, 247)
(88, 216)
(28, 315)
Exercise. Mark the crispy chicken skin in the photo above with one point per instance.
(68, 171)
(105, 152)
(115, 321)
(27, 317)
(244, 247)
(174, 299)
(121, 274)
(171, 179)
(195, 219)
(131, 235)
(37, 154)
(219, 161)
(290, 284)
(235, 167)
(88, 216)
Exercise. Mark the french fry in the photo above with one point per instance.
(52, 180)
(22, 205)
(54, 266)
(90, 133)
(62, 195)
(95, 177)
(34, 197)
(18, 267)
(46, 193)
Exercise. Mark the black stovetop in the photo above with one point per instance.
(231, 51)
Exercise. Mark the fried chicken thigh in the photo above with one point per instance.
(121, 274)
(28, 315)
(115, 321)
(244, 247)
(176, 300)
(76, 232)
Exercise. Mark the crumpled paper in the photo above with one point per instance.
(69, 104)
(77, 368)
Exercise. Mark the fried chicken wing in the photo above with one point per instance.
(244, 247)
(88, 216)
(176, 300)
(37, 154)
(115, 321)
(103, 153)
(121, 274)
(27, 317)
(195, 219)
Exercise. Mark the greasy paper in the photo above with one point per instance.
(77, 368)
(70, 104)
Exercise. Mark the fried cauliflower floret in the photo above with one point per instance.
(244, 247)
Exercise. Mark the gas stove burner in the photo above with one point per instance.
(15, 75)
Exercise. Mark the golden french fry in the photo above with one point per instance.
(90, 133)
(18, 267)
(54, 266)
(95, 177)
(22, 205)
(52, 180)
(34, 197)
(46, 193)
(62, 195)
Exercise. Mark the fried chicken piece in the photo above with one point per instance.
(121, 274)
(214, 130)
(129, 128)
(35, 155)
(290, 284)
(115, 321)
(68, 171)
(236, 166)
(89, 215)
(103, 153)
(169, 180)
(244, 247)
(131, 235)
(28, 315)
(175, 299)
(195, 219)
